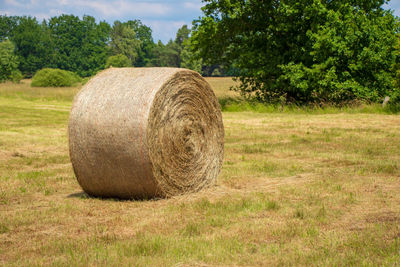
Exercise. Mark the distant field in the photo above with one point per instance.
(221, 86)
(296, 188)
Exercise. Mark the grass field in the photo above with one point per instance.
(296, 188)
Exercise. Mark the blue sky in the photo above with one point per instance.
(163, 17)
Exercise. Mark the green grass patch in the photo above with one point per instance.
(236, 104)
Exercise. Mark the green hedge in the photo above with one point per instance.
(54, 78)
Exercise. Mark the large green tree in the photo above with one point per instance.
(81, 46)
(143, 33)
(124, 41)
(33, 44)
(182, 35)
(302, 50)
(7, 25)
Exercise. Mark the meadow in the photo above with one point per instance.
(297, 187)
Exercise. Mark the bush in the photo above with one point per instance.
(54, 78)
(118, 61)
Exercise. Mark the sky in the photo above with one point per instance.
(163, 17)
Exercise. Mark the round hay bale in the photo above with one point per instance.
(145, 132)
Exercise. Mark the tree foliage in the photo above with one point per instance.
(182, 35)
(85, 46)
(7, 24)
(189, 58)
(33, 45)
(65, 41)
(118, 61)
(165, 55)
(80, 45)
(8, 62)
(124, 41)
(144, 35)
(302, 51)
(177, 53)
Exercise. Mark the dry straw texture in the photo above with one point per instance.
(146, 132)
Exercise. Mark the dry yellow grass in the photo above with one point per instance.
(295, 189)
(221, 86)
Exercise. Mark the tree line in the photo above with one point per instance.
(84, 46)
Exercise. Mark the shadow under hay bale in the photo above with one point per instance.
(81, 195)
(146, 132)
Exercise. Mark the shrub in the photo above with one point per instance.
(118, 61)
(54, 78)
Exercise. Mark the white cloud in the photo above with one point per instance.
(47, 15)
(14, 3)
(42, 16)
(5, 12)
(193, 5)
(123, 7)
(63, 2)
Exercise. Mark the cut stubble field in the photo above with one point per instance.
(296, 188)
